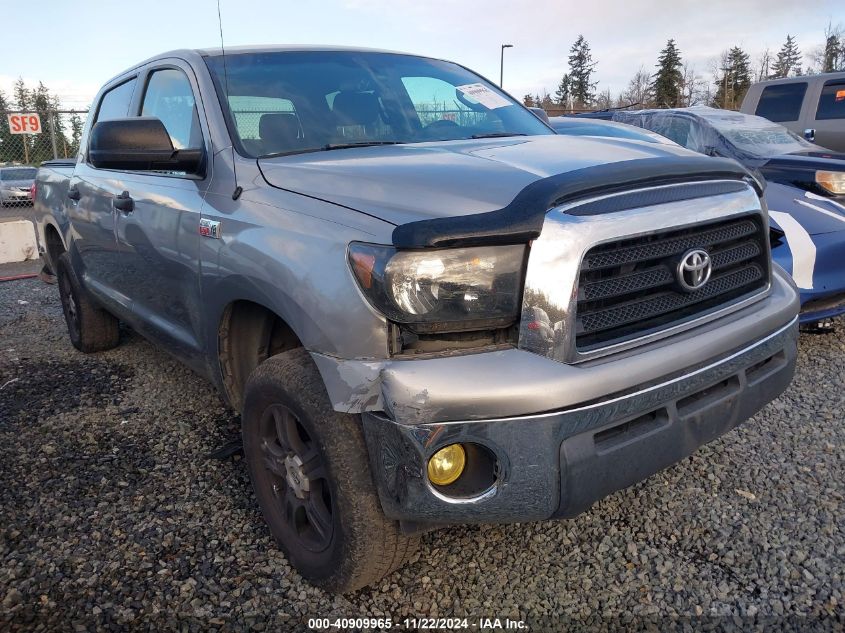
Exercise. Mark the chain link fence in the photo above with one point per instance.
(22, 142)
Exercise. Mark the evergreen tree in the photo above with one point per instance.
(562, 94)
(735, 80)
(528, 101)
(833, 56)
(76, 125)
(6, 139)
(22, 95)
(668, 83)
(581, 69)
(788, 59)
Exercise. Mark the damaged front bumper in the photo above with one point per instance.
(563, 436)
(556, 465)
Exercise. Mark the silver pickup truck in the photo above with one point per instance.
(428, 308)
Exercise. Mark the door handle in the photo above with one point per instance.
(124, 202)
(73, 194)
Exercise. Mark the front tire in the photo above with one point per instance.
(90, 327)
(311, 474)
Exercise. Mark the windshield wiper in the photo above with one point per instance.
(498, 134)
(331, 146)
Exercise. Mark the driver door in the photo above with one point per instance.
(158, 233)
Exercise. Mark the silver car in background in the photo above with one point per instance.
(16, 185)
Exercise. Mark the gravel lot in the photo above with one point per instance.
(114, 515)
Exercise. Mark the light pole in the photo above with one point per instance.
(502, 63)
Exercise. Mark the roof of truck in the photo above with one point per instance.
(789, 80)
(277, 48)
(188, 53)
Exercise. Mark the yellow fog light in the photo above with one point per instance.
(447, 464)
(833, 181)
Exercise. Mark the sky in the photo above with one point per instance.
(74, 47)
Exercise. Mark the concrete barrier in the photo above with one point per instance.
(17, 241)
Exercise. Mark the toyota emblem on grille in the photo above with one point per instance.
(694, 269)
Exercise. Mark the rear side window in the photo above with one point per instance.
(782, 102)
(832, 101)
(169, 98)
(115, 103)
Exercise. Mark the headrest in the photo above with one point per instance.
(356, 108)
(279, 131)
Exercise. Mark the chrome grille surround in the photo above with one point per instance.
(567, 239)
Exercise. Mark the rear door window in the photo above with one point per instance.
(782, 102)
(832, 101)
(115, 102)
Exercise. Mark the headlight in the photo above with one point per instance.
(442, 290)
(832, 181)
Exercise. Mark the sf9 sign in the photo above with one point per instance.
(25, 123)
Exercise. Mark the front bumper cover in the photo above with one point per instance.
(556, 465)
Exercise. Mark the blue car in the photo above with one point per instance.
(807, 216)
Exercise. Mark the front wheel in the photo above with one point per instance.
(310, 470)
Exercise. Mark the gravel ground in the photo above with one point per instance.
(114, 515)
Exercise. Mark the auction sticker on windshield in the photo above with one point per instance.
(484, 96)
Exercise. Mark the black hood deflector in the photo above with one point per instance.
(522, 219)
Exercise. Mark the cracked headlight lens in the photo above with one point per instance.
(449, 289)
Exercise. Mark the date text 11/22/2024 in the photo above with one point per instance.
(416, 624)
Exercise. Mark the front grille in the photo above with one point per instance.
(629, 288)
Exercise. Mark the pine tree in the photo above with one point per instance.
(735, 80)
(22, 95)
(528, 101)
(7, 140)
(562, 94)
(788, 59)
(667, 86)
(581, 69)
(833, 56)
(76, 125)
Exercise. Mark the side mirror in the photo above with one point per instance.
(140, 144)
(810, 134)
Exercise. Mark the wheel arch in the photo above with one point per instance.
(54, 245)
(248, 332)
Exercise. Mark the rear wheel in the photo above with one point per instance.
(90, 327)
(310, 470)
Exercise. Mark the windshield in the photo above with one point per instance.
(300, 101)
(17, 174)
(756, 136)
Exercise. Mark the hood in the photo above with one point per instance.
(816, 214)
(406, 183)
(809, 160)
